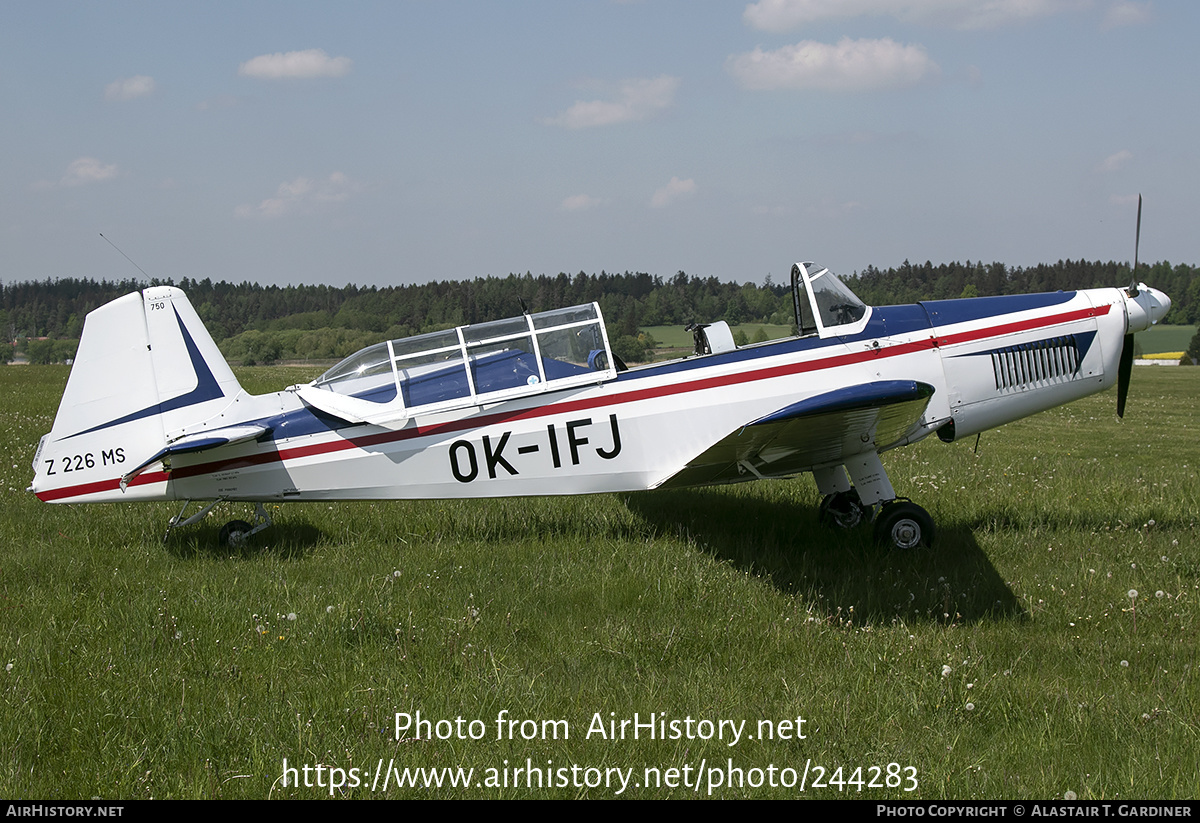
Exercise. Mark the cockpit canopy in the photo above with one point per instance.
(468, 365)
(824, 304)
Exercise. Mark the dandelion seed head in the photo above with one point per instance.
(9, 667)
(1159, 593)
(970, 707)
(1132, 594)
(1069, 795)
(396, 573)
(1125, 664)
(329, 610)
(292, 616)
(946, 671)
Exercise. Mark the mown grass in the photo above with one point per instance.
(1008, 662)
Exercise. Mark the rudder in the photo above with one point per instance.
(146, 373)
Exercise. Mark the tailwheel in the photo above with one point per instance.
(903, 525)
(843, 509)
(234, 533)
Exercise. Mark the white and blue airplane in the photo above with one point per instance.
(538, 404)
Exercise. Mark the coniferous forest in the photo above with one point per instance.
(264, 324)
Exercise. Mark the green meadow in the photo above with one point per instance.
(1047, 644)
(1164, 338)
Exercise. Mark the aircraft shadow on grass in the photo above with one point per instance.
(953, 582)
(289, 540)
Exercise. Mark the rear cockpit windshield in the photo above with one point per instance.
(479, 363)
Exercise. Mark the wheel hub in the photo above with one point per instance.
(906, 534)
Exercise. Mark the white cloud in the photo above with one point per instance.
(671, 192)
(786, 15)
(295, 64)
(1126, 13)
(127, 88)
(579, 202)
(302, 196)
(1115, 162)
(851, 65)
(81, 172)
(634, 100)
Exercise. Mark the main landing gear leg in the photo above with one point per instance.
(840, 504)
(899, 523)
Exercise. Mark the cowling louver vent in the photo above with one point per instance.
(1038, 362)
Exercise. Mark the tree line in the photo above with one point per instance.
(262, 324)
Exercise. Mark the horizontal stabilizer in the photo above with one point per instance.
(197, 443)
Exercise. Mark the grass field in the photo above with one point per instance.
(1014, 660)
(1166, 338)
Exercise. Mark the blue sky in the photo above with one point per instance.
(402, 142)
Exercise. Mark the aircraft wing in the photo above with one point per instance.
(197, 443)
(821, 430)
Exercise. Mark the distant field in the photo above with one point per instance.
(1046, 645)
(1165, 338)
(675, 337)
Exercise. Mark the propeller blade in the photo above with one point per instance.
(1124, 371)
(1137, 241)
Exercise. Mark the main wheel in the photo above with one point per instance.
(842, 509)
(903, 525)
(234, 533)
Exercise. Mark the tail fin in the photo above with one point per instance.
(146, 372)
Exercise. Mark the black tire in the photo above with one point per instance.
(234, 533)
(903, 526)
(843, 510)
